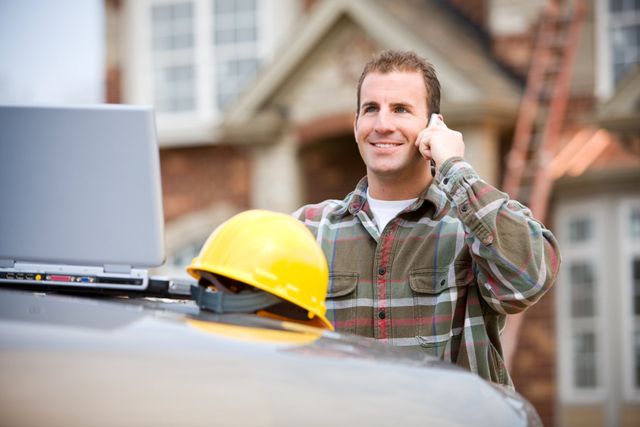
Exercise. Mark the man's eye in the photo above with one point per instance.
(401, 109)
(369, 109)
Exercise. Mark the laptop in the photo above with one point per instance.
(81, 196)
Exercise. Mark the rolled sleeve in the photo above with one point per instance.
(516, 257)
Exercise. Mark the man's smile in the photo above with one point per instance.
(386, 144)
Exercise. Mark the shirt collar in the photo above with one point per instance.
(356, 200)
(436, 196)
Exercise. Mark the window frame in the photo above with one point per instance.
(227, 52)
(592, 253)
(605, 84)
(630, 249)
(163, 60)
(275, 20)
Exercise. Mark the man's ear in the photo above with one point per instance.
(355, 125)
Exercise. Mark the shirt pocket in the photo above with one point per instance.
(438, 305)
(341, 300)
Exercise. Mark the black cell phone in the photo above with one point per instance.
(434, 120)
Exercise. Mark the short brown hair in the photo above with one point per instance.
(394, 60)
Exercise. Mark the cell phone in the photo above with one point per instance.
(434, 120)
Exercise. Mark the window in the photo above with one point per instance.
(598, 302)
(635, 283)
(172, 27)
(579, 230)
(191, 58)
(583, 324)
(624, 36)
(172, 38)
(235, 36)
(629, 219)
(235, 21)
(617, 25)
(584, 348)
(582, 290)
(636, 359)
(205, 52)
(581, 301)
(634, 228)
(174, 88)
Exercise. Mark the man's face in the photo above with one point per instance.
(393, 110)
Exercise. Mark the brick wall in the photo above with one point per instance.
(332, 168)
(534, 367)
(193, 178)
(474, 10)
(113, 86)
(514, 51)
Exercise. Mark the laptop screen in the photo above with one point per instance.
(80, 186)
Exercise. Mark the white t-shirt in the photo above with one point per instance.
(385, 210)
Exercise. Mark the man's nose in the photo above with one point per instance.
(384, 122)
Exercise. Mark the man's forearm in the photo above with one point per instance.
(515, 257)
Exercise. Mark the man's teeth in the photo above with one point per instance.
(385, 145)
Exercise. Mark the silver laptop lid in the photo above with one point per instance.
(80, 186)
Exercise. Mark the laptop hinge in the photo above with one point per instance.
(117, 268)
(7, 263)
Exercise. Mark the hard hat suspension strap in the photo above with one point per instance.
(222, 302)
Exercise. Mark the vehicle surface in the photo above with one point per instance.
(70, 360)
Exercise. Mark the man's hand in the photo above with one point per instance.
(440, 143)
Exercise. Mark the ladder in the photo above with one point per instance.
(540, 119)
(543, 107)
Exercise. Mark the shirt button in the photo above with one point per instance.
(381, 315)
(381, 271)
(464, 207)
(446, 181)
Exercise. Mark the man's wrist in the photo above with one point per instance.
(454, 171)
(448, 164)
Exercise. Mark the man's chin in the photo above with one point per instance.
(395, 172)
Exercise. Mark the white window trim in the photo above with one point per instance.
(259, 47)
(629, 250)
(604, 77)
(593, 250)
(275, 19)
(204, 110)
(604, 72)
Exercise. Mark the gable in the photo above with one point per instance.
(316, 74)
(621, 113)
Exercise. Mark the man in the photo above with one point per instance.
(433, 262)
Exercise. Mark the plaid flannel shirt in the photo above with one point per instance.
(442, 275)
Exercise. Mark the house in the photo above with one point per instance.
(255, 102)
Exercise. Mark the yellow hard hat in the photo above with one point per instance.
(273, 252)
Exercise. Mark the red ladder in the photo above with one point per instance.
(543, 107)
(540, 119)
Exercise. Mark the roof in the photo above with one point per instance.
(621, 113)
(473, 84)
(609, 147)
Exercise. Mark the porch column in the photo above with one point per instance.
(482, 147)
(276, 181)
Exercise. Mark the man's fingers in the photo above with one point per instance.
(423, 143)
